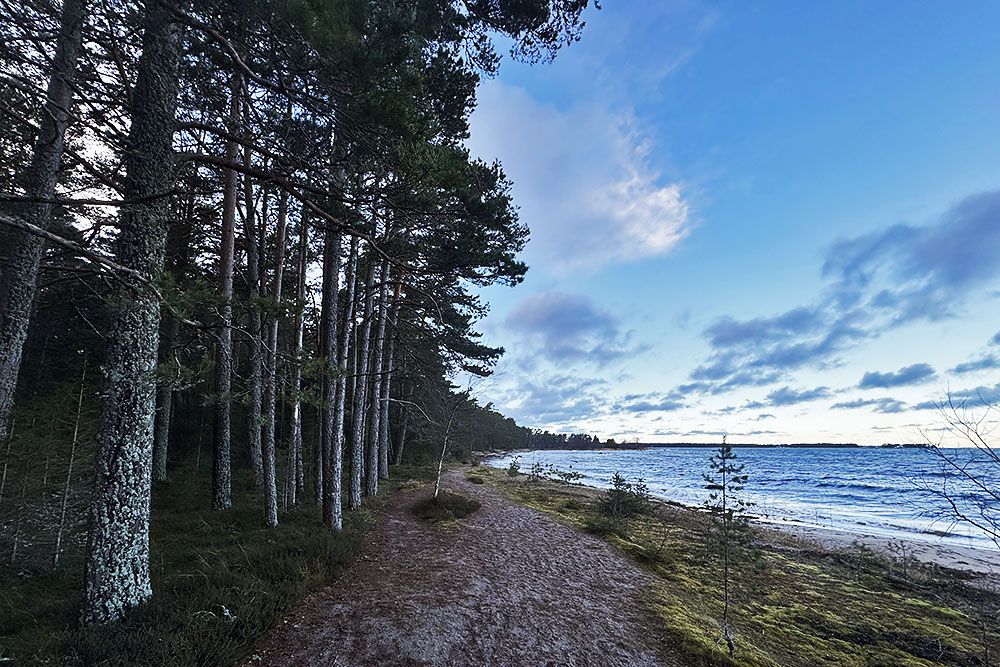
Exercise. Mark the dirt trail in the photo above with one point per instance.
(505, 586)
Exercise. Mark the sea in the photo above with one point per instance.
(886, 492)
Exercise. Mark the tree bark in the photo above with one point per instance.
(222, 482)
(254, 420)
(375, 465)
(164, 402)
(361, 382)
(116, 576)
(18, 278)
(404, 419)
(270, 384)
(386, 377)
(346, 328)
(295, 450)
(332, 455)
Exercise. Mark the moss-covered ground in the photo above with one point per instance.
(795, 604)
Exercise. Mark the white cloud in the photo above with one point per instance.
(582, 177)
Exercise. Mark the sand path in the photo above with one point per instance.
(505, 586)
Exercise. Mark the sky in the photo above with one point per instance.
(774, 220)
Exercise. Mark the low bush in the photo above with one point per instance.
(625, 500)
(514, 469)
(445, 507)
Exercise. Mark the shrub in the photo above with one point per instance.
(514, 469)
(568, 476)
(446, 506)
(624, 499)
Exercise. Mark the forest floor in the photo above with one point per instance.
(507, 585)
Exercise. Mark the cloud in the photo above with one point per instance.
(896, 275)
(569, 327)
(785, 396)
(727, 332)
(883, 405)
(913, 374)
(996, 339)
(972, 397)
(552, 399)
(789, 396)
(653, 402)
(583, 177)
(981, 364)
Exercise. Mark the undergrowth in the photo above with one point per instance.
(220, 581)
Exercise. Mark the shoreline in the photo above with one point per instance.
(973, 559)
(981, 561)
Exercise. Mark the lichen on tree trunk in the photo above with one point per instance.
(386, 377)
(116, 574)
(332, 456)
(358, 454)
(222, 484)
(378, 465)
(271, 369)
(346, 328)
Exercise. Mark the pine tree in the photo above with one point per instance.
(729, 533)
(18, 277)
(117, 555)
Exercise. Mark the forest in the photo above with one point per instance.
(240, 253)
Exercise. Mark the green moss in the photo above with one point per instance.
(794, 607)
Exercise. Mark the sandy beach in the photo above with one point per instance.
(980, 560)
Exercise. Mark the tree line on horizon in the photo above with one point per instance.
(260, 220)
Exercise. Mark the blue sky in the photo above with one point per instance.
(776, 220)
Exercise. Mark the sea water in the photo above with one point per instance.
(889, 492)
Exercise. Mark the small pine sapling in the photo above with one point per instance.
(729, 534)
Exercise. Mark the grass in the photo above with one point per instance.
(795, 606)
(447, 506)
(220, 581)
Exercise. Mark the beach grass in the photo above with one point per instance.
(796, 604)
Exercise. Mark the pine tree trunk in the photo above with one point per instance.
(370, 438)
(332, 455)
(379, 467)
(295, 450)
(270, 384)
(254, 253)
(346, 329)
(164, 402)
(18, 277)
(116, 576)
(361, 382)
(383, 435)
(404, 419)
(222, 483)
